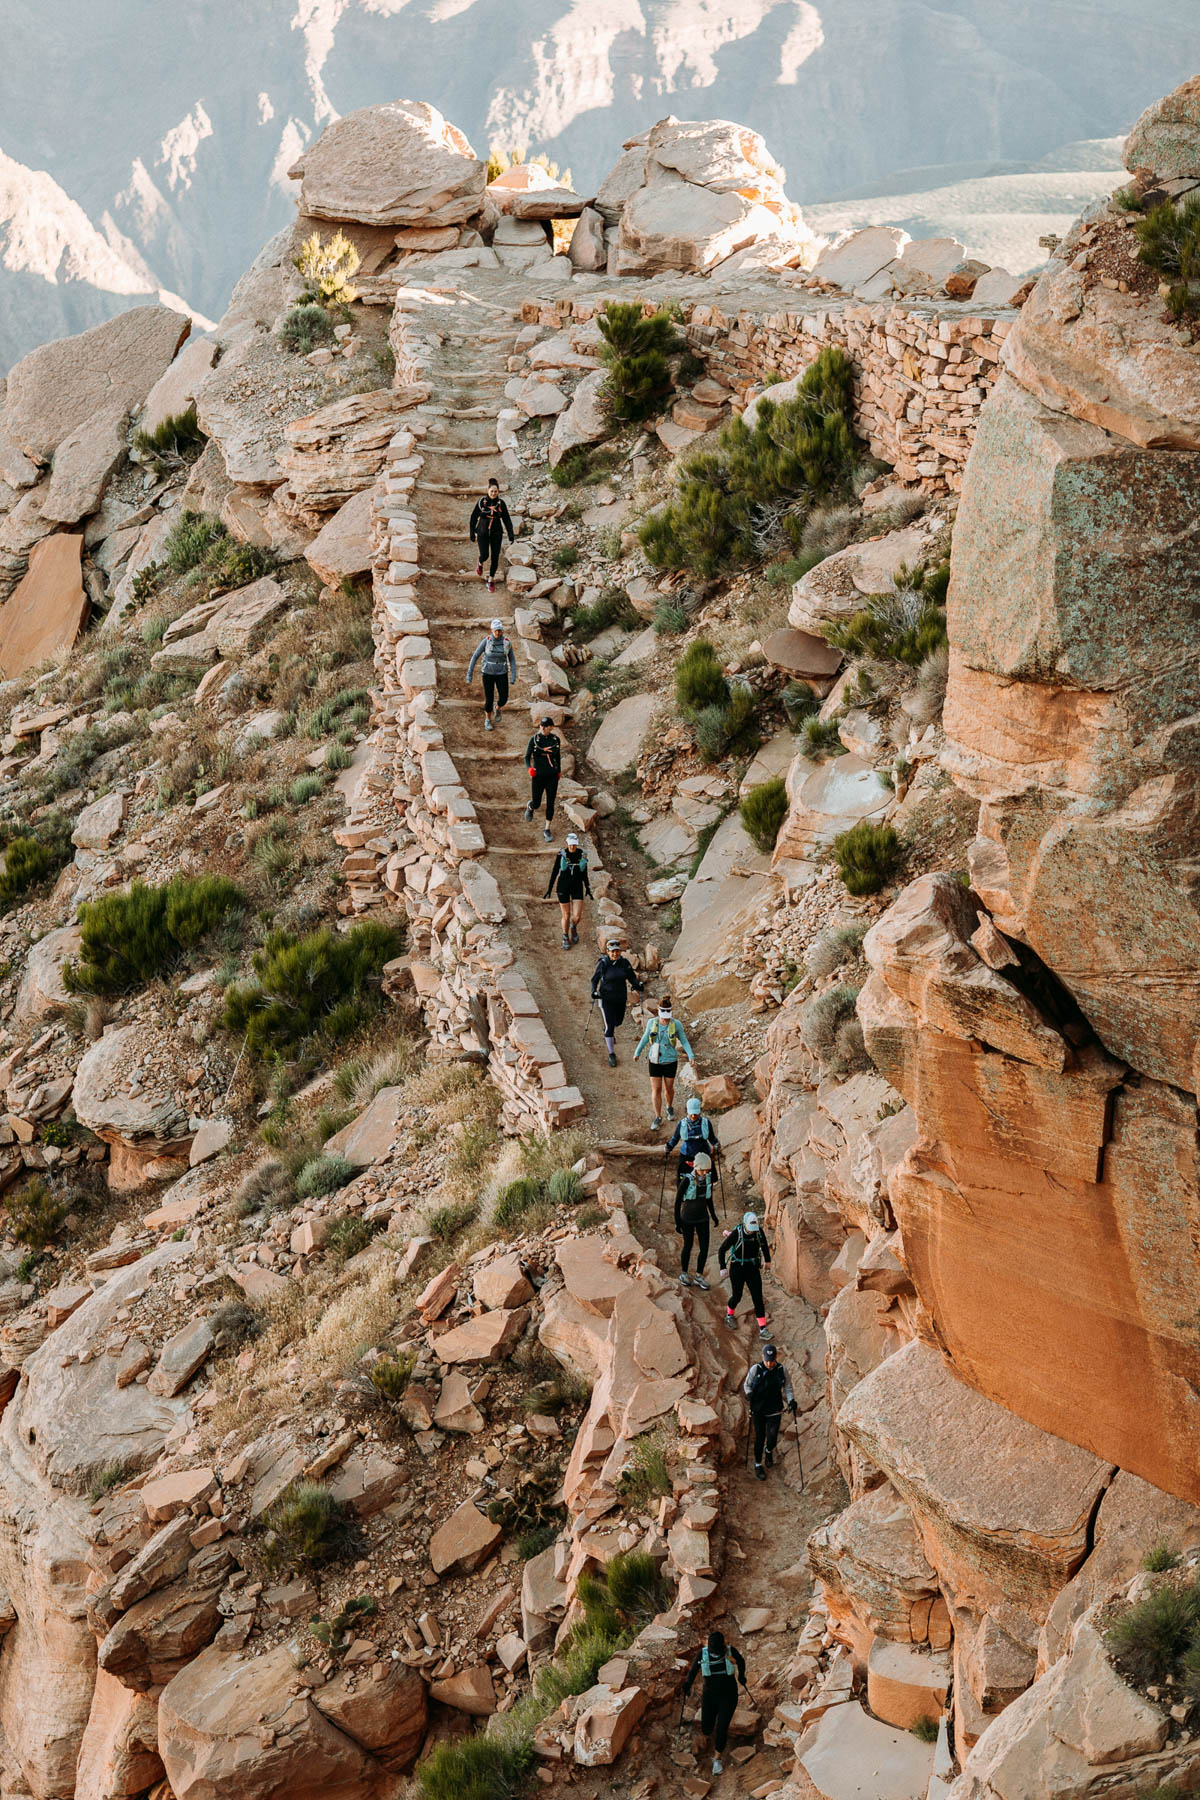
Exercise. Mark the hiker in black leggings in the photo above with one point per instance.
(722, 1668)
(570, 881)
(489, 522)
(543, 759)
(693, 1210)
(612, 976)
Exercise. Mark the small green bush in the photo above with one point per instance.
(669, 619)
(614, 607)
(323, 982)
(445, 1223)
(390, 1376)
(532, 1543)
(799, 703)
(565, 557)
(107, 1477)
(565, 1188)
(721, 730)
(31, 862)
(763, 811)
(1149, 1639)
(647, 1475)
(821, 737)
(347, 1237)
(305, 328)
(129, 938)
(337, 758)
(327, 265)
(636, 1585)
(323, 1175)
(926, 1730)
(305, 788)
(1160, 1557)
(1169, 241)
(831, 1029)
(307, 1526)
(478, 1768)
(905, 625)
(515, 1201)
(866, 856)
(788, 572)
(555, 1395)
(699, 681)
(575, 1669)
(190, 540)
(572, 468)
(173, 443)
(635, 352)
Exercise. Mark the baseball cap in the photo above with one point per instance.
(572, 838)
(613, 944)
(497, 624)
(702, 1162)
(769, 1353)
(547, 720)
(693, 1105)
(750, 1221)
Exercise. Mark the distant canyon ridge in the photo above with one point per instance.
(144, 150)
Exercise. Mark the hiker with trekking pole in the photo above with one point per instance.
(723, 1668)
(746, 1249)
(693, 1210)
(612, 977)
(489, 522)
(768, 1388)
(570, 881)
(665, 1037)
(694, 1132)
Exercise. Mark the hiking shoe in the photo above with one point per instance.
(548, 835)
(491, 585)
(760, 1472)
(718, 1766)
(731, 1321)
(699, 1281)
(769, 1458)
(566, 941)
(528, 814)
(574, 934)
(670, 1112)
(487, 721)
(612, 1059)
(479, 568)
(763, 1333)
(684, 1278)
(655, 1122)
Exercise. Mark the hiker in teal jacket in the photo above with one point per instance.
(665, 1037)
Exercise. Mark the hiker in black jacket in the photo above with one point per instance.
(611, 978)
(489, 522)
(543, 759)
(747, 1250)
(569, 879)
(768, 1388)
(722, 1668)
(693, 1209)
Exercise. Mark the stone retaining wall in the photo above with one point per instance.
(922, 372)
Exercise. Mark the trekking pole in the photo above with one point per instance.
(591, 1010)
(721, 1179)
(799, 1458)
(746, 1458)
(662, 1188)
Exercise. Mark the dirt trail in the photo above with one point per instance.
(766, 1523)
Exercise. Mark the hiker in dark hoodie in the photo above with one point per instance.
(722, 1668)
(489, 522)
(569, 880)
(693, 1210)
(499, 667)
(543, 759)
(612, 978)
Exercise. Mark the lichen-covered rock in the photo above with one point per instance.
(65, 385)
(1166, 137)
(397, 164)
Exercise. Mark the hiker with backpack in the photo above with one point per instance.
(499, 661)
(694, 1132)
(612, 978)
(570, 881)
(768, 1388)
(665, 1037)
(693, 1210)
(722, 1668)
(543, 759)
(746, 1250)
(489, 522)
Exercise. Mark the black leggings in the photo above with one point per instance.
(489, 545)
(544, 786)
(495, 687)
(718, 1703)
(766, 1432)
(748, 1276)
(700, 1232)
(612, 1008)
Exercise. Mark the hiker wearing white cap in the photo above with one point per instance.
(693, 1210)
(543, 759)
(569, 879)
(499, 661)
(746, 1250)
(612, 978)
(489, 522)
(665, 1037)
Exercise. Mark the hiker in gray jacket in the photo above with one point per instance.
(499, 668)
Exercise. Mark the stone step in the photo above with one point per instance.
(428, 449)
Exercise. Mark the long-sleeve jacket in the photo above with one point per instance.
(498, 656)
(692, 1142)
(488, 514)
(543, 754)
(698, 1664)
(668, 1037)
(742, 1246)
(610, 974)
(768, 1390)
(694, 1201)
(571, 878)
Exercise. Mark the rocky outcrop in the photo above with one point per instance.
(400, 165)
(134, 1110)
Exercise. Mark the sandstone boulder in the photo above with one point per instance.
(397, 164)
(840, 585)
(43, 991)
(876, 1577)
(1166, 137)
(342, 548)
(623, 732)
(604, 1723)
(142, 1119)
(176, 388)
(502, 1283)
(470, 1691)
(65, 385)
(847, 1755)
(368, 1139)
(487, 1338)
(118, 1758)
(83, 464)
(247, 401)
(46, 610)
(850, 261)
(585, 421)
(463, 1541)
(232, 1727)
(383, 1708)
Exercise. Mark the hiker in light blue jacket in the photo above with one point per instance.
(499, 667)
(665, 1037)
